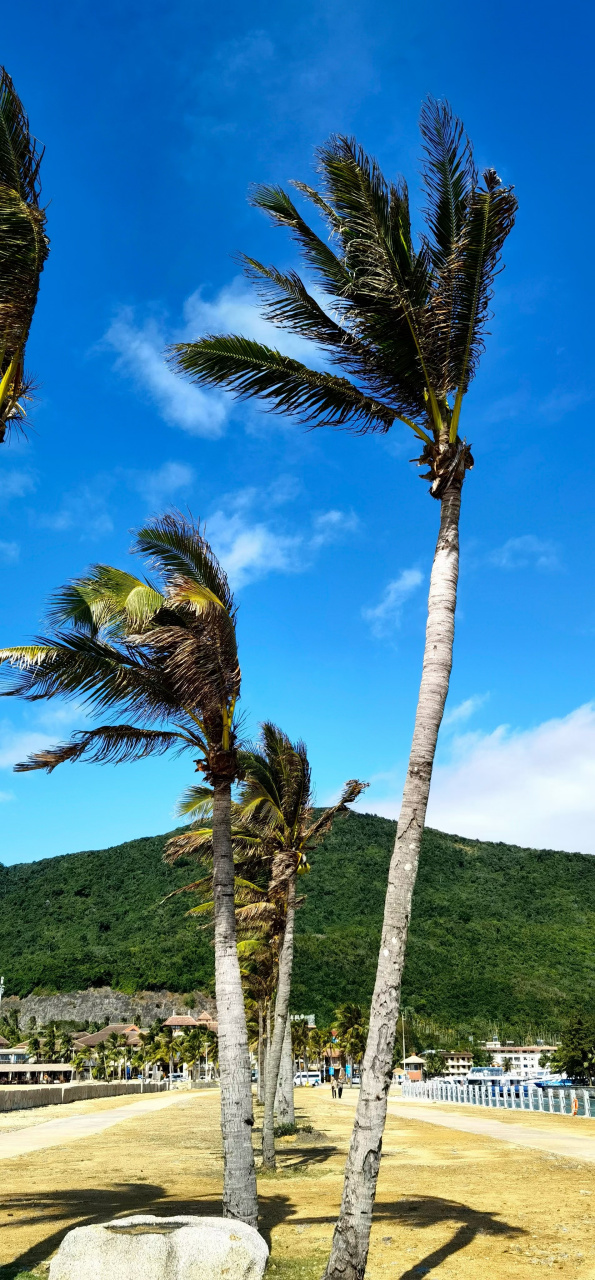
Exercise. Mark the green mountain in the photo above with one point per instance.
(498, 933)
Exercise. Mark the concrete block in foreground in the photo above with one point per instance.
(145, 1247)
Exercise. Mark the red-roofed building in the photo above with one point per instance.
(89, 1040)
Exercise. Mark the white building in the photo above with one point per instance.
(523, 1058)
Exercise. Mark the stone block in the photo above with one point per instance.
(145, 1247)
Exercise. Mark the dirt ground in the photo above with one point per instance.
(12, 1120)
(449, 1204)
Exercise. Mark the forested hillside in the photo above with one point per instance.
(497, 933)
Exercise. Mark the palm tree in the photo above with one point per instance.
(405, 326)
(64, 1046)
(273, 815)
(10, 1027)
(24, 247)
(276, 806)
(300, 1037)
(351, 1023)
(167, 659)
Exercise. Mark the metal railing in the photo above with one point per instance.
(523, 1096)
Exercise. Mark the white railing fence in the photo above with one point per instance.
(522, 1097)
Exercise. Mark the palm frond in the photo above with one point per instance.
(250, 368)
(449, 177)
(321, 825)
(108, 744)
(196, 843)
(105, 597)
(490, 218)
(24, 247)
(176, 547)
(196, 801)
(20, 154)
(330, 272)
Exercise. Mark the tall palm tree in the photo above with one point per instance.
(24, 247)
(274, 814)
(405, 327)
(167, 658)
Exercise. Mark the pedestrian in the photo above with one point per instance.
(341, 1082)
(333, 1087)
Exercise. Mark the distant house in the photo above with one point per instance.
(90, 1039)
(183, 1022)
(458, 1064)
(12, 1053)
(180, 1023)
(414, 1066)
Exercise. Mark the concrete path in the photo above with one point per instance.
(54, 1133)
(577, 1146)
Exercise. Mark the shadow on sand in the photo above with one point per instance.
(88, 1205)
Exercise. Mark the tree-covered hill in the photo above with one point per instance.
(498, 933)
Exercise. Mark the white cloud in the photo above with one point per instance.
(9, 552)
(387, 614)
(250, 550)
(464, 710)
(250, 547)
(140, 350)
(526, 552)
(17, 744)
(140, 353)
(330, 526)
(532, 787)
(235, 310)
(156, 487)
(15, 484)
(5, 796)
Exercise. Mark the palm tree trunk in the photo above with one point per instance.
(281, 1015)
(284, 1105)
(239, 1177)
(352, 1233)
(260, 1089)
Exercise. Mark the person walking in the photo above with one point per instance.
(341, 1082)
(333, 1087)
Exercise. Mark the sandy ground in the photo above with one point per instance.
(575, 1139)
(450, 1204)
(71, 1128)
(12, 1120)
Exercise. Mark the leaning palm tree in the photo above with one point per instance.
(24, 247)
(276, 802)
(273, 815)
(166, 659)
(404, 324)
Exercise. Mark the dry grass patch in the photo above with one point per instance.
(450, 1205)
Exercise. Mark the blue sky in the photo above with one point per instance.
(156, 120)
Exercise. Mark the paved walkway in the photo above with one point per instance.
(54, 1133)
(577, 1146)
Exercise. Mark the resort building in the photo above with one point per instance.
(522, 1058)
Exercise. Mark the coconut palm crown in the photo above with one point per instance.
(164, 655)
(404, 323)
(24, 247)
(273, 817)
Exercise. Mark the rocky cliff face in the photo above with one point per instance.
(99, 1003)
